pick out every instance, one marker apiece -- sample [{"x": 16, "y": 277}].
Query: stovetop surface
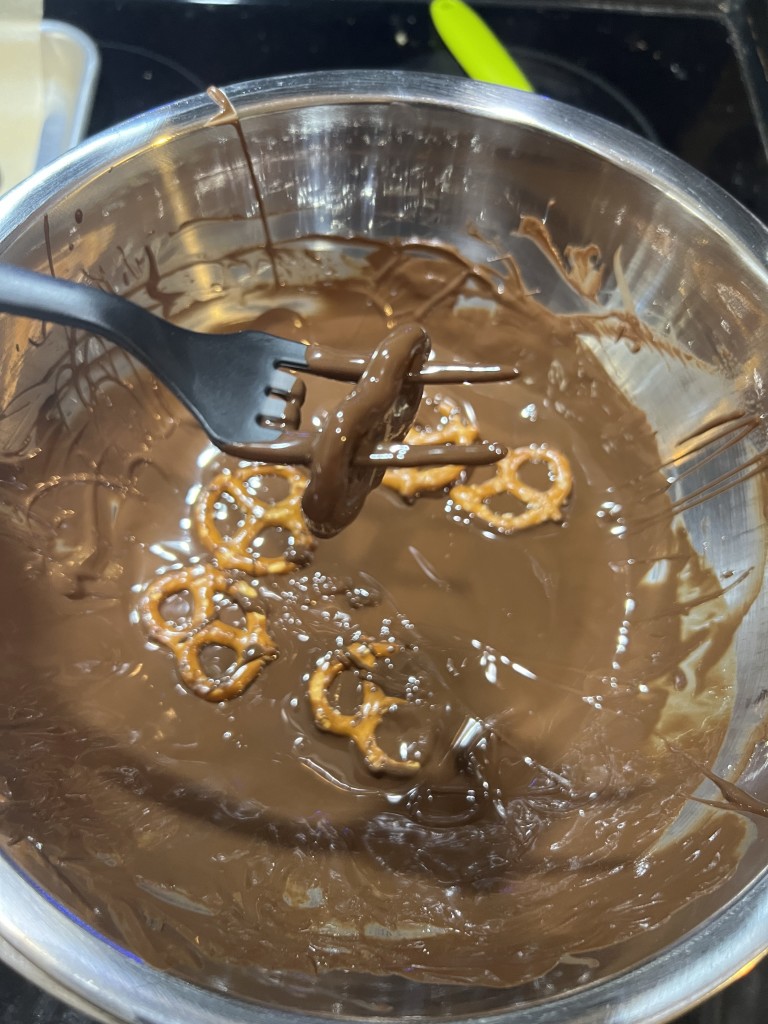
[{"x": 690, "y": 75}]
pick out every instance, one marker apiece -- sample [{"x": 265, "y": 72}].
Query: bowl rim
[{"x": 55, "y": 950}]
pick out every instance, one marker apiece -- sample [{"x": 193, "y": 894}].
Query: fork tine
[
  {"x": 271, "y": 409},
  {"x": 327, "y": 362},
  {"x": 284, "y": 352},
  {"x": 283, "y": 383}
]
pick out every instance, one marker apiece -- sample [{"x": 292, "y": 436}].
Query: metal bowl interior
[{"x": 393, "y": 155}]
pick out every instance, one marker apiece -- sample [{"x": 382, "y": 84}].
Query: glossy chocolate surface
[{"x": 565, "y": 685}]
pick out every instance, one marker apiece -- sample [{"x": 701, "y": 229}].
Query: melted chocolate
[
  {"x": 354, "y": 443},
  {"x": 559, "y": 727},
  {"x": 380, "y": 409}
]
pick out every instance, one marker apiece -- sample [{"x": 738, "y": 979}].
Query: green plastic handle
[{"x": 474, "y": 45}]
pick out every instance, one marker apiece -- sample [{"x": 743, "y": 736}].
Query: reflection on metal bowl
[{"x": 396, "y": 156}]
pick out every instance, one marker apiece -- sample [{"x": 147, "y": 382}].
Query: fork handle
[{"x": 143, "y": 335}]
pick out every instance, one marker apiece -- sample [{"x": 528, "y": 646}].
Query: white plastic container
[{"x": 70, "y": 69}]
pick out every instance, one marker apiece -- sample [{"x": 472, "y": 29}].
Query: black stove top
[{"x": 690, "y": 75}]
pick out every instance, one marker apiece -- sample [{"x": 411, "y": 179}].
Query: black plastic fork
[{"x": 236, "y": 385}]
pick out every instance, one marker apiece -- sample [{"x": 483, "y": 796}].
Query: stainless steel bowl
[{"x": 386, "y": 154}]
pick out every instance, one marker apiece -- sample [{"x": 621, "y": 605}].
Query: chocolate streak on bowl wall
[{"x": 199, "y": 836}]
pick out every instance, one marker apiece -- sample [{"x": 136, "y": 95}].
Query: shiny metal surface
[{"x": 388, "y": 154}]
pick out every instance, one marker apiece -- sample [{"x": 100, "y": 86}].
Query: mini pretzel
[
  {"x": 362, "y": 725},
  {"x": 234, "y": 552},
  {"x": 454, "y": 430},
  {"x": 542, "y": 505},
  {"x": 251, "y": 645}
]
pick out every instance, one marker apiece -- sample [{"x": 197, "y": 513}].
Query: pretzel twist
[
  {"x": 362, "y": 725},
  {"x": 452, "y": 429},
  {"x": 541, "y": 505},
  {"x": 202, "y": 627},
  {"x": 234, "y": 552}
]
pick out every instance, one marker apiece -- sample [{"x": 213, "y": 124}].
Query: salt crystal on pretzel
[
  {"x": 202, "y": 627},
  {"x": 235, "y": 551},
  {"x": 362, "y": 725},
  {"x": 541, "y": 505}
]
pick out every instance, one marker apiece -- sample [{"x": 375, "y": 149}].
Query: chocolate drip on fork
[{"x": 359, "y": 439}]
